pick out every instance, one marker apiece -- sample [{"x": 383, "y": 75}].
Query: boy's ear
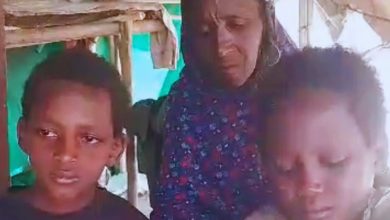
[
  {"x": 116, "y": 150},
  {"x": 23, "y": 135}
]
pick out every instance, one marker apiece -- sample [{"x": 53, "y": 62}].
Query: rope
[{"x": 385, "y": 19}]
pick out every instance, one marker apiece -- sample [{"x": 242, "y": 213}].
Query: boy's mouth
[
  {"x": 321, "y": 213},
  {"x": 64, "y": 178}
]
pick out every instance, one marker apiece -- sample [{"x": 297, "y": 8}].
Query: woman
[{"x": 209, "y": 165}]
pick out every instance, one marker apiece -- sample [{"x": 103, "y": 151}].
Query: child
[
  {"x": 323, "y": 132},
  {"x": 74, "y": 111}
]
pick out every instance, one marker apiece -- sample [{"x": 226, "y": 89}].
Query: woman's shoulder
[{"x": 148, "y": 115}]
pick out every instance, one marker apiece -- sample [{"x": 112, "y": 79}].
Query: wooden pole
[
  {"x": 116, "y": 45},
  {"x": 4, "y": 150},
  {"x": 113, "y": 50},
  {"x": 305, "y": 21},
  {"x": 124, "y": 46}
]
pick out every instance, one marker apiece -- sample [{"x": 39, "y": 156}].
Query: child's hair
[
  {"x": 80, "y": 66},
  {"x": 334, "y": 69}
]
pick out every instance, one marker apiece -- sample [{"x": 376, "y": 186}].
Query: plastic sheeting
[{"x": 376, "y": 13}]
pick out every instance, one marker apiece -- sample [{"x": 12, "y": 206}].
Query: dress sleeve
[
  {"x": 177, "y": 190},
  {"x": 177, "y": 196}
]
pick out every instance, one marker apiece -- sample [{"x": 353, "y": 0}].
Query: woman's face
[{"x": 227, "y": 36}]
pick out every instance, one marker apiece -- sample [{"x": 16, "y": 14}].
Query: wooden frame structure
[
  {"x": 48, "y": 21},
  {"x": 4, "y": 160},
  {"x": 305, "y": 21}
]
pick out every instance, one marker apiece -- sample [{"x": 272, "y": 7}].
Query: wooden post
[
  {"x": 116, "y": 46},
  {"x": 4, "y": 150},
  {"x": 125, "y": 43},
  {"x": 124, "y": 47},
  {"x": 113, "y": 50},
  {"x": 305, "y": 21}
]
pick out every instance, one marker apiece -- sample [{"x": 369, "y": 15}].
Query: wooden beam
[
  {"x": 125, "y": 57},
  {"x": 49, "y": 13},
  {"x": 4, "y": 150},
  {"x": 27, "y": 37},
  {"x": 155, "y": 1}
]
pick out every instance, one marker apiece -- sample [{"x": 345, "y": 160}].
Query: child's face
[
  {"x": 69, "y": 138},
  {"x": 318, "y": 159}
]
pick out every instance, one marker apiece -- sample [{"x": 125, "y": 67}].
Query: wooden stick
[
  {"x": 125, "y": 52},
  {"x": 125, "y": 45},
  {"x": 116, "y": 49},
  {"x": 112, "y": 50},
  {"x": 305, "y": 21},
  {"x": 28, "y": 37},
  {"x": 4, "y": 148}
]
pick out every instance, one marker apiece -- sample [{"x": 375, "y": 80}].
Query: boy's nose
[
  {"x": 311, "y": 189},
  {"x": 67, "y": 151},
  {"x": 310, "y": 184}
]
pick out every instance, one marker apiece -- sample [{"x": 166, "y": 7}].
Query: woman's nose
[{"x": 224, "y": 41}]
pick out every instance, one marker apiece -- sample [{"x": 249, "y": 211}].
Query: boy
[
  {"x": 74, "y": 112},
  {"x": 323, "y": 133}
]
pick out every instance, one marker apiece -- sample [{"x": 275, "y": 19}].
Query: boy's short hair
[
  {"x": 334, "y": 69},
  {"x": 80, "y": 66}
]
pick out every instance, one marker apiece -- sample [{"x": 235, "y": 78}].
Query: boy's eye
[
  {"x": 336, "y": 163},
  {"x": 284, "y": 170},
  {"x": 47, "y": 133},
  {"x": 89, "y": 139}
]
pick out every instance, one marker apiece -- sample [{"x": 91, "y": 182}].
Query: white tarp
[{"x": 376, "y": 13}]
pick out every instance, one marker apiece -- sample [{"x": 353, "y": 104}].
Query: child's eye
[
  {"x": 47, "y": 133},
  {"x": 89, "y": 139},
  {"x": 337, "y": 163},
  {"x": 283, "y": 170}
]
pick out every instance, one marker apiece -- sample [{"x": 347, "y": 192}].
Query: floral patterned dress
[{"x": 210, "y": 167}]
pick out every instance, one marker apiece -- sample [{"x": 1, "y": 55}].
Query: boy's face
[
  {"x": 69, "y": 138},
  {"x": 318, "y": 159}
]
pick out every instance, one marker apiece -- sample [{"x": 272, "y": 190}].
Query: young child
[
  {"x": 324, "y": 131},
  {"x": 74, "y": 112}
]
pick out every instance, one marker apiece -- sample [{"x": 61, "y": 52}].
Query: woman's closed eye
[{"x": 236, "y": 24}]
